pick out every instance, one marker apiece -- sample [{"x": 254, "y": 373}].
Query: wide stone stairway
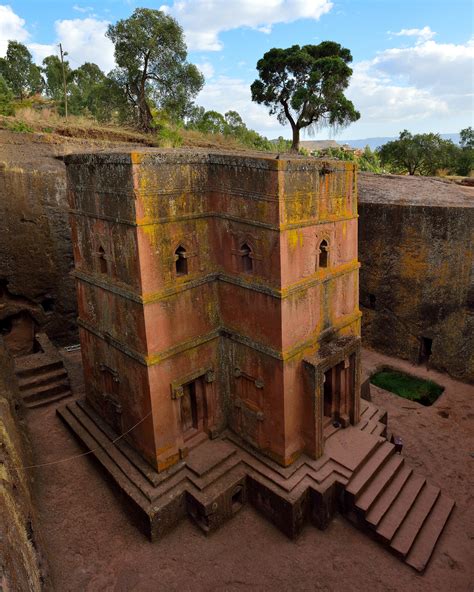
[
  {"x": 360, "y": 474},
  {"x": 398, "y": 506}
]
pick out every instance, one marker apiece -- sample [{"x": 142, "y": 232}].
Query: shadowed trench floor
[{"x": 92, "y": 545}]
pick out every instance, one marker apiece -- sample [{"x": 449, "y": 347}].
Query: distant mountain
[{"x": 375, "y": 142}]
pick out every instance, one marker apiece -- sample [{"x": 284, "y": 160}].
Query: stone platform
[{"x": 359, "y": 475}]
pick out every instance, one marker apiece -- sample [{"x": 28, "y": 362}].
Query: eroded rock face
[
  {"x": 22, "y": 566},
  {"x": 36, "y": 289},
  {"x": 416, "y": 245},
  {"x": 35, "y": 250}
]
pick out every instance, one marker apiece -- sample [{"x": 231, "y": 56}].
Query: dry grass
[{"x": 47, "y": 121}]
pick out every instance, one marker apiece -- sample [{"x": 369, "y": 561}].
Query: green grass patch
[
  {"x": 409, "y": 387},
  {"x": 21, "y": 127}
]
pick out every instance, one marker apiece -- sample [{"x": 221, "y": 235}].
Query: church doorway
[{"x": 338, "y": 392}]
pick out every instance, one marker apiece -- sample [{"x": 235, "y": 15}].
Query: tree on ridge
[
  {"x": 305, "y": 86},
  {"x": 151, "y": 56}
]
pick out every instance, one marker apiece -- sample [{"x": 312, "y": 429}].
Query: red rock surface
[{"x": 92, "y": 545}]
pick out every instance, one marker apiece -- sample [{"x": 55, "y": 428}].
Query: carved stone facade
[{"x": 215, "y": 291}]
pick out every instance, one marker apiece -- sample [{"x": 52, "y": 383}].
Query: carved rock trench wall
[
  {"x": 21, "y": 565},
  {"x": 35, "y": 250},
  {"x": 416, "y": 247}
]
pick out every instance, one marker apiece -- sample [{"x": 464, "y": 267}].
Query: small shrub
[
  {"x": 169, "y": 137},
  {"x": 21, "y": 127}
]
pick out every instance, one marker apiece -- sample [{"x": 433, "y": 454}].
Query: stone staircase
[
  {"x": 41, "y": 376},
  {"x": 373, "y": 420},
  {"x": 400, "y": 508}
]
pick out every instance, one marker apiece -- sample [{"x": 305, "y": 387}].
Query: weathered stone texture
[
  {"x": 36, "y": 289},
  {"x": 35, "y": 251},
  {"x": 416, "y": 246},
  {"x": 238, "y": 334},
  {"x": 21, "y": 565}
]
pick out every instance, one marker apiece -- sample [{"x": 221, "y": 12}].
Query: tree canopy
[
  {"x": 305, "y": 86},
  {"x": 53, "y": 73},
  {"x": 467, "y": 138},
  {"x": 420, "y": 153},
  {"x": 231, "y": 124},
  {"x": 465, "y": 161},
  {"x": 20, "y": 73},
  {"x": 6, "y": 96},
  {"x": 151, "y": 56}
]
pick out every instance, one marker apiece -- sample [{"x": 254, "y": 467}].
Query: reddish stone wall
[
  {"x": 417, "y": 269},
  {"x": 250, "y": 329},
  {"x": 35, "y": 248}
]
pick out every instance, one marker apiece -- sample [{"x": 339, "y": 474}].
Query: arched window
[
  {"x": 181, "y": 261},
  {"x": 246, "y": 258},
  {"x": 102, "y": 260},
  {"x": 323, "y": 255}
]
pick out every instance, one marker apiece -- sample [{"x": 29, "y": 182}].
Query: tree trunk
[
  {"x": 144, "y": 115},
  {"x": 295, "y": 146}
]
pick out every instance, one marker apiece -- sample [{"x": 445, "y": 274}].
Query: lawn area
[{"x": 409, "y": 387}]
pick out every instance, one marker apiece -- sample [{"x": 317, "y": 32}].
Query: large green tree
[
  {"x": 53, "y": 74},
  {"x": 84, "y": 89},
  {"x": 465, "y": 162},
  {"x": 6, "y": 98},
  {"x": 305, "y": 86},
  {"x": 151, "y": 56},
  {"x": 421, "y": 154},
  {"x": 20, "y": 73}
]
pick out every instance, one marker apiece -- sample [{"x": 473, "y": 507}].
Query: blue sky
[{"x": 413, "y": 60}]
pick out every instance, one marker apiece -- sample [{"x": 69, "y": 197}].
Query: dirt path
[{"x": 92, "y": 545}]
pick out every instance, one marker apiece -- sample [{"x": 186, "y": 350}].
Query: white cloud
[
  {"x": 207, "y": 70},
  {"x": 83, "y": 39},
  {"x": 422, "y": 35},
  {"x": 40, "y": 50},
  {"x": 380, "y": 99},
  {"x": 440, "y": 67},
  {"x": 12, "y": 27},
  {"x": 429, "y": 84},
  {"x": 204, "y": 20}
]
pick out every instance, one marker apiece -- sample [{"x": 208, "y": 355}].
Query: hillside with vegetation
[{"x": 149, "y": 99}]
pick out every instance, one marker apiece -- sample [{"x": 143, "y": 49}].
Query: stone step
[
  {"x": 109, "y": 448},
  {"x": 386, "y": 499},
  {"x": 380, "y": 482},
  {"x": 42, "y": 378},
  {"x": 414, "y": 520},
  {"x": 368, "y": 412},
  {"x": 375, "y": 427},
  {"x": 48, "y": 399},
  {"x": 401, "y": 506},
  {"x": 34, "y": 367},
  {"x": 380, "y": 429},
  {"x": 130, "y": 453},
  {"x": 426, "y": 540},
  {"x": 96, "y": 449},
  {"x": 47, "y": 390},
  {"x": 368, "y": 470}
]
